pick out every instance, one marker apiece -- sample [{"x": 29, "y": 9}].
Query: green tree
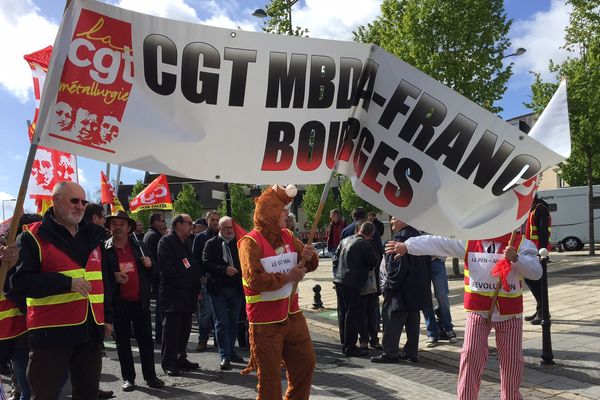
[
  {"x": 141, "y": 216},
  {"x": 187, "y": 203},
  {"x": 459, "y": 43},
  {"x": 350, "y": 200},
  {"x": 242, "y": 207},
  {"x": 583, "y": 75},
  {"x": 280, "y": 19},
  {"x": 310, "y": 203}
]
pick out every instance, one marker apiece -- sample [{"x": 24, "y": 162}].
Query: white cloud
[
  {"x": 82, "y": 179},
  {"x": 542, "y": 35},
  {"x": 21, "y": 19},
  {"x": 174, "y": 9}
]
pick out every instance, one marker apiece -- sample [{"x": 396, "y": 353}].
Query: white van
[{"x": 569, "y": 212}]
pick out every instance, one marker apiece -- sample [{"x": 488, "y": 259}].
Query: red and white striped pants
[{"x": 474, "y": 354}]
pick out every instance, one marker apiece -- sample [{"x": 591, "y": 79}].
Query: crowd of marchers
[{"x": 77, "y": 277}]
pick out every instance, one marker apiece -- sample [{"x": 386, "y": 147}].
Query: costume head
[{"x": 269, "y": 206}]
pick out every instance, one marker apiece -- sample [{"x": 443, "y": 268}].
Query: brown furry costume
[{"x": 287, "y": 341}]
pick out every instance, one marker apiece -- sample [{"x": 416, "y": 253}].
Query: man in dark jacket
[
  {"x": 151, "y": 239},
  {"x": 356, "y": 258},
  {"x": 406, "y": 291},
  {"x": 133, "y": 271},
  {"x": 68, "y": 304},
  {"x": 178, "y": 291},
  {"x": 205, "y": 319},
  {"x": 224, "y": 286}
]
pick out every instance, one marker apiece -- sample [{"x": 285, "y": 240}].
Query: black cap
[{"x": 201, "y": 221}]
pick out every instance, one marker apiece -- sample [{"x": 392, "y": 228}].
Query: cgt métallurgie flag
[
  {"x": 108, "y": 195},
  {"x": 156, "y": 196},
  {"x": 227, "y": 105}
]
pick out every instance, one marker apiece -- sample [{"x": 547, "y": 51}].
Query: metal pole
[
  {"x": 547, "y": 354},
  {"x": 289, "y": 5},
  {"x": 227, "y": 199}
]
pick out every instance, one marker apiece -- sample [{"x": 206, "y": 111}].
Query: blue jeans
[
  {"x": 226, "y": 311},
  {"x": 439, "y": 278},
  {"x": 204, "y": 316}
]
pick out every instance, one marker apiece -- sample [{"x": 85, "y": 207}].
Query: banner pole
[
  {"x": 498, "y": 284},
  {"x": 14, "y": 223}
]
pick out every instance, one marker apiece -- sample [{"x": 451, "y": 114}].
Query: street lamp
[
  {"x": 4, "y": 200},
  {"x": 260, "y": 13},
  {"x": 517, "y": 53}
]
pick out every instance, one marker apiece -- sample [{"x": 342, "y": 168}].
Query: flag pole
[
  {"x": 14, "y": 223},
  {"x": 498, "y": 284}
]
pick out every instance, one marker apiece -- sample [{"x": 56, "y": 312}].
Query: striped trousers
[{"x": 474, "y": 354}]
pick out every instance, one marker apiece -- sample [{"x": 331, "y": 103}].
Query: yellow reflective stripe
[
  {"x": 466, "y": 272},
  {"x": 74, "y": 273},
  {"x": 93, "y": 276},
  {"x": 56, "y": 299},
  {"x": 96, "y": 298},
  {"x": 13, "y": 312},
  {"x": 253, "y": 299},
  {"x": 245, "y": 282},
  {"x": 491, "y": 294}
]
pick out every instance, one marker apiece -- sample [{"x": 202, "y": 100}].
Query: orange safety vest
[
  {"x": 258, "y": 309},
  {"x": 69, "y": 308},
  {"x": 531, "y": 229},
  {"x": 478, "y": 295},
  {"x": 12, "y": 320}
]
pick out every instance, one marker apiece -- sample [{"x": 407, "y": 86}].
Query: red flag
[
  {"x": 108, "y": 195},
  {"x": 50, "y": 166},
  {"x": 238, "y": 230},
  {"x": 155, "y": 196}
]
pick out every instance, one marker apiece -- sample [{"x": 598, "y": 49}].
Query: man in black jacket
[
  {"x": 406, "y": 291},
  {"x": 356, "y": 258},
  {"x": 178, "y": 293},
  {"x": 133, "y": 271},
  {"x": 69, "y": 307},
  {"x": 151, "y": 239},
  {"x": 222, "y": 263}
]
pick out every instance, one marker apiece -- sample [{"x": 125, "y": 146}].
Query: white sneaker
[{"x": 431, "y": 341}]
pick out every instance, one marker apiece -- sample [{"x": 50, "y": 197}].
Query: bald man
[{"x": 68, "y": 311}]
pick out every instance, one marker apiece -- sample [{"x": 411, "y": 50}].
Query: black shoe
[
  {"x": 201, "y": 346},
  {"x": 225, "y": 365},
  {"x": 155, "y": 383},
  {"x": 105, "y": 394},
  {"x": 384, "y": 359},
  {"x": 531, "y": 317},
  {"x": 172, "y": 371},
  {"x": 536, "y": 321},
  {"x": 376, "y": 345},
  {"x": 128, "y": 385},
  {"x": 184, "y": 363},
  {"x": 236, "y": 359},
  {"x": 356, "y": 352},
  {"x": 404, "y": 357}
]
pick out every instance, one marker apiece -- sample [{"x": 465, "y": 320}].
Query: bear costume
[{"x": 279, "y": 335}]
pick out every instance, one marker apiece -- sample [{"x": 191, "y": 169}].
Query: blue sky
[{"x": 29, "y": 25}]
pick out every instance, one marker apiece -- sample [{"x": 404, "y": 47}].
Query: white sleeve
[
  {"x": 528, "y": 263},
  {"x": 430, "y": 245}
]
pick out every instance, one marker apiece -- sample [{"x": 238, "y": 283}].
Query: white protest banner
[{"x": 234, "y": 106}]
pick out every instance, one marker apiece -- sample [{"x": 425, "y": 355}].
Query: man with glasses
[
  {"x": 178, "y": 291},
  {"x": 224, "y": 286},
  {"x": 68, "y": 305}
]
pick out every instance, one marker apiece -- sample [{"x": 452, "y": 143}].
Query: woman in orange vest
[
  {"x": 270, "y": 257},
  {"x": 481, "y": 257}
]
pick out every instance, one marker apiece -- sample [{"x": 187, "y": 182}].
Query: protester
[
  {"x": 336, "y": 226},
  {"x": 204, "y": 312},
  {"x": 291, "y": 225},
  {"x": 407, "y": 291},
  {"x": 151, "y": 239},
  {"x": 273, "y": 261},
  {"x": 537, "y": 229},
  {"x": 222, "y": 263},
  {"x": 126, "y": 259},
  {"x": 14, "y": 341},
  {"x": 356, "y": 258},
  {"x": 200, "y": 225},
  {"x": 139, "y": 231},
  {"x": 442, "y": 328},
  {"x": 94, "y": 214},
  {"x": 60, "y": 273},
  {"x": 480, "y": 285},
  {"x": 178, "y": 291},
  {"x": 372, "y": 217}
]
